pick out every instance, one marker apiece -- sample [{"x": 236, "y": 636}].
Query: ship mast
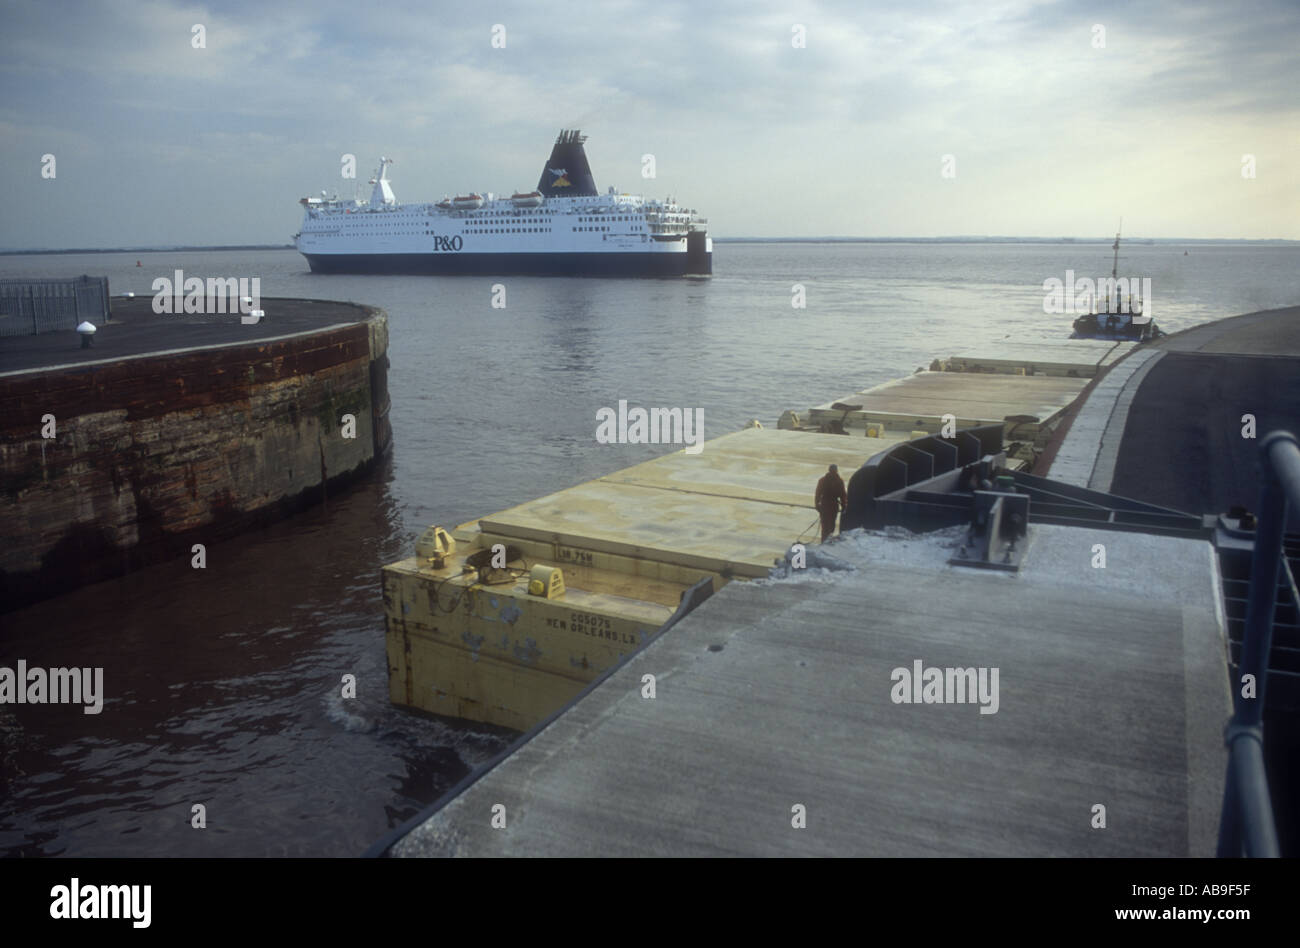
[
  {"x": 1114, "y": 270},
  {"x": 1115, "y": 306}
]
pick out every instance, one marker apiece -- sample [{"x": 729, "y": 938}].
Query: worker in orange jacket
[{"x": 830, "y": 499}]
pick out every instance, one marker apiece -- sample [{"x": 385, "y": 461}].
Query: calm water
[{"x": 223, "y": 684}]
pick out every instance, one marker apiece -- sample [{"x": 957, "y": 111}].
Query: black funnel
[{"x": 567, "y": 173}]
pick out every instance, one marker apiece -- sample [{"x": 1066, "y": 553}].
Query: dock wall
[{"x": 108, "y": 466}]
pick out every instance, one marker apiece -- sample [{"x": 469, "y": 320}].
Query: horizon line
[{"x": 830, "y": 238}]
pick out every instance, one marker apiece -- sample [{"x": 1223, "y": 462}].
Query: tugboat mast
[{"x": 1114, "y": 269}]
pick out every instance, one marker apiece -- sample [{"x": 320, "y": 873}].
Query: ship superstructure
[{"x": 564, "y": 227}]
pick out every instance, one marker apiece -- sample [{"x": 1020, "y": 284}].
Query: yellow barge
[
  {"x": 504, "y": 620},
  {"x": 483, "y": 641}
]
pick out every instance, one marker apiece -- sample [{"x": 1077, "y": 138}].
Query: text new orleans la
[{"x": 598, "y": 627}]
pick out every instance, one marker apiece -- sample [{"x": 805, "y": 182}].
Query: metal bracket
[{"x": 998, "y": 531}]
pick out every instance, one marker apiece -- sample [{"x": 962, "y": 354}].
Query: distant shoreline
[
  {"x": 1139, "y": 241},
  {"x": 1100, "y": 241},
  {"x": 21, "y": 253}
]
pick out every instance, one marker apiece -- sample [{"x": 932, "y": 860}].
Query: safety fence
[{"x": 28, "y": 307}]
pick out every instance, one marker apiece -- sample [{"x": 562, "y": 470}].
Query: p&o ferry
[{"x": 565, "y": 227}]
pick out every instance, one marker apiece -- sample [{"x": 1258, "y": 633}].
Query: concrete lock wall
[{"x": 154, "y": 453}]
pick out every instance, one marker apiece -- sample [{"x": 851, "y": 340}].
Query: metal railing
[
  {"x": 28, "y": 307},
  {"x": 1246, "y": 825}
]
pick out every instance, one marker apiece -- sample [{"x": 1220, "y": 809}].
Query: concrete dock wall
[{"x": 107, "y": 466}]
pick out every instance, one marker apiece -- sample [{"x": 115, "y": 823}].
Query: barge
[{"x": 505, "y": 619}]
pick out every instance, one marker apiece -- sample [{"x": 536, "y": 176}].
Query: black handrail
[{"x": 1246, "y": 825}]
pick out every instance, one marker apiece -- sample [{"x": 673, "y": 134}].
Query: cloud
[{"x": 855, "y": 122}]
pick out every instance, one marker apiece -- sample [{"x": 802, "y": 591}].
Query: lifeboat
[
  {"x": 531, "y": 199},
  {"x": 445, "y": 204},
  {"x": 466, "y": 202}
]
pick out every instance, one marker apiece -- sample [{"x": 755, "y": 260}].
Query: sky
[{"x": 920, "y": 119}]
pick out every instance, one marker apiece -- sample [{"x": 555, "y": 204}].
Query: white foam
[{"x": 350, "y": 721}]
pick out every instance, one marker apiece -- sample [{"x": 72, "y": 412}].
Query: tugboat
[{"x": 1117, "y": 317}]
